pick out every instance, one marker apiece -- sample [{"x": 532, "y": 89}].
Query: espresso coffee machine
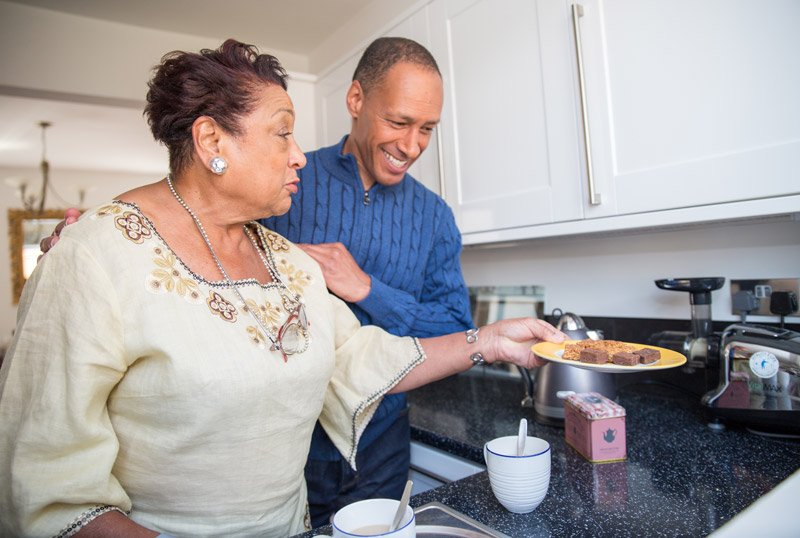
[{"x": 752, "y": 372}]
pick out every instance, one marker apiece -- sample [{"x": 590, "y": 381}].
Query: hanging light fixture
[
  {"x": 36, "y": 204},
  {"x": 44, "y": 165},
  {"x": 31, "y": 202}
]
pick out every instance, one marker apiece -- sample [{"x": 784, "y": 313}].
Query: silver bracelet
[
  {"x": 87, "y": 517},
  {"x": 472, "y": 337}
]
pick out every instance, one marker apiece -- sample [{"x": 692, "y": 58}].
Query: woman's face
[{"x": 265, "y": 158}]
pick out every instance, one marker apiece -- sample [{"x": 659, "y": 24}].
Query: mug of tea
[{"x": 373, "y": 517}]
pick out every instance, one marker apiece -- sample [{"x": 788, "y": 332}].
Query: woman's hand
[{"x": 510, "y": 340}]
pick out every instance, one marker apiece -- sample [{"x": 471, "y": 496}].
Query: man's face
[{"x": 393, "y": 122}]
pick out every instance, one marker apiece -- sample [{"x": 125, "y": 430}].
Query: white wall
[
  {"x": 301, "y": 90},
  {"x": 613, "y": 276}
]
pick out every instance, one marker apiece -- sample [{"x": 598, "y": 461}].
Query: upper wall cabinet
[
  {"x": 692, "y": 103},
  {"x": 565, "y": 117},
  {"x": 509, "y": 125}
]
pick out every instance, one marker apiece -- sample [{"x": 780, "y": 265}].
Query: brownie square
[
  {"x": 594, "y": 356},
  {"x": 625, "y": 359},
  {"x": 648, "y": 355}
]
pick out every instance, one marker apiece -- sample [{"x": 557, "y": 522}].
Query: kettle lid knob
[{"x": 570, "y": 322}]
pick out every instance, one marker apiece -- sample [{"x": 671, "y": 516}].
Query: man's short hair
[{"x": 383, "y": 53}]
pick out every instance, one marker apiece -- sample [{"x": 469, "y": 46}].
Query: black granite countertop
[{"x": 680, "y": 477}]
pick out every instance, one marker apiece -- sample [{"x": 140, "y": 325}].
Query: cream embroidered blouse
[{"x": 132, "y": 382}]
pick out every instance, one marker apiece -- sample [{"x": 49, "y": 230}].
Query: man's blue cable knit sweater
[{"x": 405, "y": 238}]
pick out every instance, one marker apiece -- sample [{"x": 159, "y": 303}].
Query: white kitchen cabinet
[
  {"x": 334, "y": 120},
  {"x": 692, "y": 103},
  {"x": 691, "y": 109},
  {"x": 509, "y": 127}
]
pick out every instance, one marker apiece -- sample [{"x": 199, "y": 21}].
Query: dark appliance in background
[
  {"x": 491, "y": 303},
  {"x": 701, "y": 344},
  {"x": 751, "y": 372},
  {"x": 759, "y": 379}
]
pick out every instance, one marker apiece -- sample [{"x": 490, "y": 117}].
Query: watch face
[{"x": 764, "y": 364}]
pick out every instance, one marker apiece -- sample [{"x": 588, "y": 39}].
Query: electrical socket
[{"x": 762, "y": 289}]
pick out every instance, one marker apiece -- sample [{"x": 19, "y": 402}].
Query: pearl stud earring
[{"x": 218, "y": 165}]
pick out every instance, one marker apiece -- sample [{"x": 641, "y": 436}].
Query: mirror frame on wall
[{"x": 16, "y": 217}]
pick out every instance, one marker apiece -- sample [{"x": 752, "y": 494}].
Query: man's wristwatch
[{"x": 472, "y": 337}]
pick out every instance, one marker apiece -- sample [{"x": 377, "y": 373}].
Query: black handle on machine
[
  {"x": 783, "y": 303},
  {"x": 700, "y": 288}
]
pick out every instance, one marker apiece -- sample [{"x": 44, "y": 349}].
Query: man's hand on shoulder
[
  {"x": 342, "y": 274},
  {"x": 70, "y": 216}
]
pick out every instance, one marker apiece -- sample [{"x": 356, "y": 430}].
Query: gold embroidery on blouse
[
  {"x": 256, "y": 337},
  {"x": 295, "y": 279},
  {"x": 267, "y": 313},
  {"x": 106, "y": 210},
  {"x": 276, "y": 242},
  {"x": 167, "y": 278},
  {"x": 221, "y": 307},
  {"x": 133, "y": 227}
]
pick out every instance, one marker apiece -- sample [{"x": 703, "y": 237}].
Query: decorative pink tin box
[{"x": 595, "y": 427}]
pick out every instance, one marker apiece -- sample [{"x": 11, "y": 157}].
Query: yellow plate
[{"x": 552, "y": 352}]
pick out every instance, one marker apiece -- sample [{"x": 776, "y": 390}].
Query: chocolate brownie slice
[
  {"x": 594, "y": 356},
  {"x": 625, "y": 359},
  {"x": 648, "y": 355}
]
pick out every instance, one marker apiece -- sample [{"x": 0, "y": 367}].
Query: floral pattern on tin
[
  {"x": 221, "y": 307},
  {"x": 167, "y": 278},
  {"x": 133, "y": 227},
  {"x": 295, "y": 279}
]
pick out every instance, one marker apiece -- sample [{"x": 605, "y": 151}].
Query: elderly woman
[{"x": 172, "y": 356}]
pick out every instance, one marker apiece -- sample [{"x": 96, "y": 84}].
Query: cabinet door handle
[
  {"x": 577, "y": 13},
  {"x": 440, "y": 160}
]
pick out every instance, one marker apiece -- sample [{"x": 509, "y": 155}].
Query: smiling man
[{"x": 386, "y": 244}]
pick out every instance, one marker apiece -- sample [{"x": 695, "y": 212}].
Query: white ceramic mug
[
  {"x": 373, "y": 518},
  {"x": 519, "y": 483}
]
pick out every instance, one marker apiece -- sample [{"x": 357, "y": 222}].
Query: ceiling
[
  {"x": 300, "y": 28},
  {"x": 89, "y": 136},
  {"x": 81, "y": 136}
]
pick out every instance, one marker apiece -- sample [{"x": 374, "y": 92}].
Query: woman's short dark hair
[
  {"x": 222, "y": 84},
  {"x": 383, "y": 53}
]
